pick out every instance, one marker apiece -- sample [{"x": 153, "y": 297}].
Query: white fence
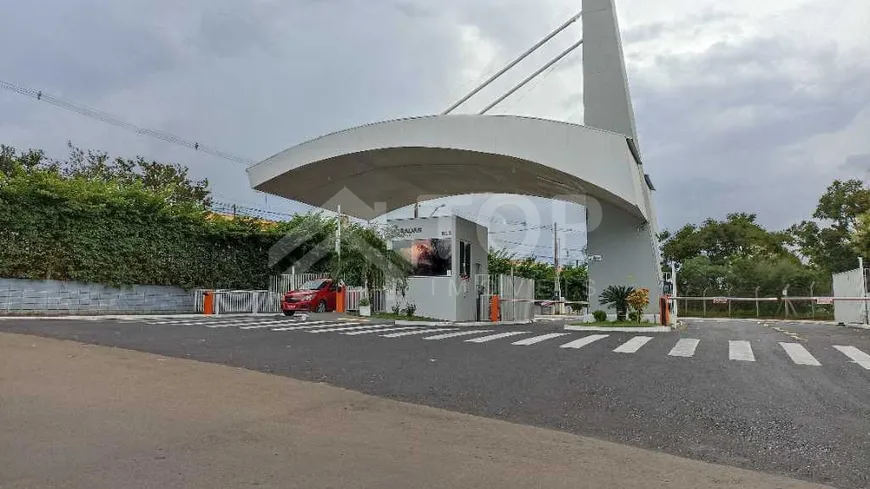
[
  {"x": 240, "y": 301},
  {"x": 291, "y": 281},
  {"x": 850, "y": 284},
  {"x": 353, "y": 295}
]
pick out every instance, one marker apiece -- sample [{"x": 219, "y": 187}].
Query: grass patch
[
  {"x": 619, "y": 324},
  {"x": 401, "y": 317}
]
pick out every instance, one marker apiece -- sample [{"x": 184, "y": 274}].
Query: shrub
[
  {"x": 616, "y": 297},
  {"x": 410, "y": 309},
  {"x": 397, "y": 308},
  {"x": 600, "y": 316},
  {"x": 638, "y": 300},
  {"x": 364, "y": 302},
  {"x": 634, "y": 316}
]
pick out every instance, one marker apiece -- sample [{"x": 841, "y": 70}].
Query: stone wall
[{"x": 54, "y": 297}]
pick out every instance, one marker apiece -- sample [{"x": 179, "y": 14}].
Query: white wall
[
  {"x": 848, "y": 284},
  {"x": 466, "y": 300}
]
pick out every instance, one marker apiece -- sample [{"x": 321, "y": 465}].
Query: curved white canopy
[{"x": 376, "y": 168}]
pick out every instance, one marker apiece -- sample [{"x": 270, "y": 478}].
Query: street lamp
[
  {"x": 436, "y": 209},
  {"x": 588, "y": 261}
]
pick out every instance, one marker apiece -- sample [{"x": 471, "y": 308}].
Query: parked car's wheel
[
  {"x": 321, "y": 307},
  {"x": 289, "y": 313}
]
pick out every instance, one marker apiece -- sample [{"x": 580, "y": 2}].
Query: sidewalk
[
  {"x": 93, "y": 417},
  {"x": 129, "y": 317}
]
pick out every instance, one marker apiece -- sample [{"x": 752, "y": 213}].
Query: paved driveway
[{"x": 793, "y": 401}]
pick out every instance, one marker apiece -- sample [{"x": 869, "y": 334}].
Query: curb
[
  {"x": 136, "y": 316},
  {"x": 621, "y": 329},
  {"x": 401, "y": 322},
  {"x": 763, "y": 320}
]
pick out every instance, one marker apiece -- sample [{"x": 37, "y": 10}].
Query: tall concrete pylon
[
  {"x": 606, "y": 96},
  {"x": 628, "y": 245}
]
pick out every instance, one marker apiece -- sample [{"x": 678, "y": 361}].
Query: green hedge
[{"x": 55, "y": 227}]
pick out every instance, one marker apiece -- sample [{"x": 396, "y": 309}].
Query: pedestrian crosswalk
[
  {"x": 685, "y": 348},
  {"x": 633, "y": 345},
  {"x": 738, "y": 351},
  {"x": 799, "y": 354}
]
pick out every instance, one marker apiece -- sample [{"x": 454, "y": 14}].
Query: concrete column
[
  {"x": 628, "y": 254},
  {"x": 606, "y": 99}
]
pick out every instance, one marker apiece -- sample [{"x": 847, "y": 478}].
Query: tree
[
  {"x": 738, "y": 236},
  {"x": 842, "y": 204},
  {"x": 11, "y": 160},
  {"x": 573, "y": 278},
  {"x": 616, "y": 297},
  {"x": 698, "y": 276},
  {"x": 830, "y": 248},
  {"x": 173, "y": 179}
]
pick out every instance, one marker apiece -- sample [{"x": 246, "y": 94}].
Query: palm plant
[{"x": 616, "y": 297}]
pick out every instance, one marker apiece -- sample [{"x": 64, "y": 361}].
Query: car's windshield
[{"x": 313, "y": 285}]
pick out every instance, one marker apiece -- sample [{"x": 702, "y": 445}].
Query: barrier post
[
  {"x": 339, "y": 299},
  {"x": 493, "y": 308},
  {"x": 664, "y": 307},
  {"x": 208, "y": 302}
]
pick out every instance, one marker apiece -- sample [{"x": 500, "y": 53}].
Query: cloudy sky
[{"x": 741, "y": 106}]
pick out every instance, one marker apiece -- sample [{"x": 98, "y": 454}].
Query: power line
[
  {"x": 578, "y": 250},
  {"x": 115, "y": 121},
  {"x": 537, "y": 228},
  {"x": 234, "y": 209}
]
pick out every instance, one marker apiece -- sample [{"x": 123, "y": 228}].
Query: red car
[{"x": 314, "y": 295}]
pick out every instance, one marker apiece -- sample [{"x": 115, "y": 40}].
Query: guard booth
[{"x": 444, "y": 253}]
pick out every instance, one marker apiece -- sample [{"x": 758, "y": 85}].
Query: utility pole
[
  {"x": 557, "y": 289},
  {"x": 513, "y": 293},
  {"x": 863, "y": 290},
  {"x": 416, "y": 210},
  {"x": 338, "y": 240},
  {"x": 674, "y": 290}
]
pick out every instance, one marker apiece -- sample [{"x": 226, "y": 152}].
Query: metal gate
[{"x": 516, "y": 296}]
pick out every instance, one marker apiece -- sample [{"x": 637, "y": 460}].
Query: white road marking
[
  {"x": 348, "y": 327},
  {"x": 799, "y": 354},
  {"x": 368, "y": 331},
  {"x": 685, "y": 347},
  {"x": 856, "y": 355},
  {"x": 249, "y": 323},
  {"x": 584, "y": 341},
  {"x": 197, "y": 320},
  {"x": 424, "y": 331},
  {"x": 740, "y": 350},
  {"x": 538, "y": 339},
  {"x": 201, "y": 322},
  {"x": 267, "y": 324},
  {"x": 313, "y": 324},
  {"x": 498, "y": 336},
  {"x": 457, "y": 334},
  {"x": 633, "y": 344}
]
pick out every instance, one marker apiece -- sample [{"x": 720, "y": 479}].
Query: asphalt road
[{"x": 739, "y": 398}]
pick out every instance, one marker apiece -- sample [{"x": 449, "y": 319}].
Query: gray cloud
[
  {"x": 858, "y": 162},
  {"x": 722, "y": 130},
  {"x": 725, "y": 122}
]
